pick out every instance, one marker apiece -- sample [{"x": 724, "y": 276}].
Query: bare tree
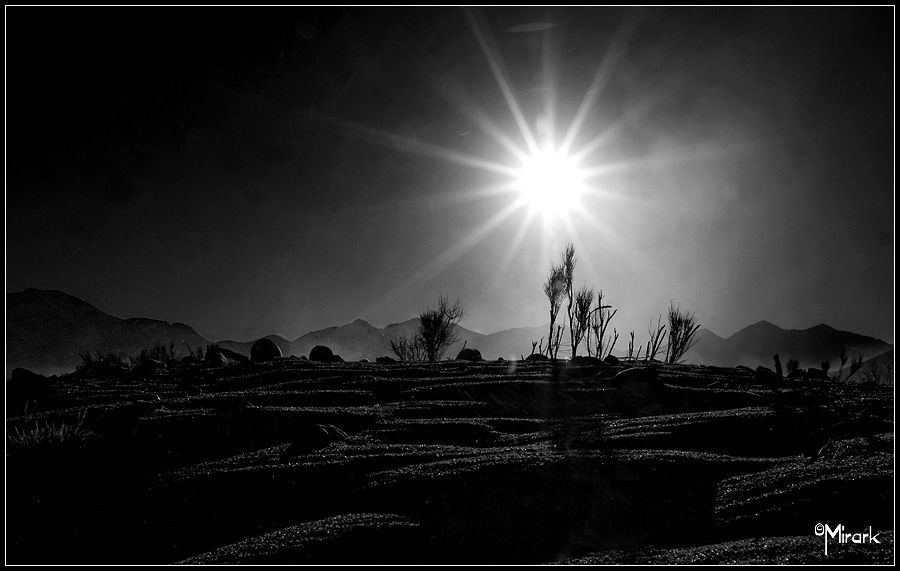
[
  {"x": 568, "y": 266},
  {"x": 630, "y": 355},
  {"x": 600, "y": 318},
  {"x": 554, "y": 289},
  {"x": 555, "y": 342},
  {"x": 682, "y": 328},
  {"x": 407, "y": 348},
  {"x": 438, "y": 328},
  {"x": 584, "y": 298},
  {"x": 657, "y": 336}
]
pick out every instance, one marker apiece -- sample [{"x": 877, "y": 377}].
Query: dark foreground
[{"x": 457, "y": 462}]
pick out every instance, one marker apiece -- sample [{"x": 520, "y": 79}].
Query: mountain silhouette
[
  {"x": 47, "y": 331},
  {"x": 756, "y": 344}
]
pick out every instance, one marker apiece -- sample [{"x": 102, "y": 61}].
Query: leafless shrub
[
  {"x": 568, "y": 267},
  {"x": 600, "y": 318},
  {"x": 554, "y": 289},
  {"x": 657, "y": 336},
  {"x": 438, "y": 328},
  {"x": 584, "y": 298},
  {"x": 682, "y": 327},
  {"x": 407, "y": 348},
  {"x": 630, "y": 355}
]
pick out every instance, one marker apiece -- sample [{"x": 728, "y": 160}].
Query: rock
[
  {"x": 26, "y": 385},
  {"x": 469, "y": 354},
  {"x": 221, "y": 357},
  {"x": 815, "y": 374},
  {"x": 585, "y": 360},
  {"x": 264, "y": 350},
  {"x": 611, "y": 359},
  {"x": 385, "y": 360},
  {"x": 337, "y": 359},
  {"x": 321, "y": 353},
  {"x": 147, "y": 366},
  {"x": 363, "y": 360},
  {"x": 765, "y": 375},
  {"x": 536, "y": 357},
  {"x": 313, "y": 437},
  {"x": 635, "y": 375},
  {"x": 501, "y": 360}
]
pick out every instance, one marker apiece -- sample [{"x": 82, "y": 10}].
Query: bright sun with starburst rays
[
  {"x": 549, "y": 183},
  {"x": 550, "y": 178}
]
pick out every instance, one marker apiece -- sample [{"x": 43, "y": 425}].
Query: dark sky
[{"x": 255, "y": 171}]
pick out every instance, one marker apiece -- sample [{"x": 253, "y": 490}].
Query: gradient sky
[{"x": 256, "y": 171}]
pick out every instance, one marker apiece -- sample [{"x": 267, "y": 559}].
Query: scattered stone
[
  {"x": 148, "y": 366},
  {"x": 264, "y": 350},
  {"x": 321, "y": 353},
  {"x": 815, "y": 374},
  {"x": 765, "y": 375},
  {"x": 585, "y": 360},
  {"x": 635, "y": 375},
  {"x": 313, "y": 437},
  {"x": 469, "y": 354},
  {"x": 221, "y": 357}
]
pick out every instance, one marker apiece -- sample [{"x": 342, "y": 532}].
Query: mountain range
[{"x": 48, "y": 331}]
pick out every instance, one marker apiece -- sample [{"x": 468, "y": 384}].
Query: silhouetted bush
[
  {"x": 682, "y": 327},
  {"x": 438, "y": 328},
  {"x": 407, "y": 348}
]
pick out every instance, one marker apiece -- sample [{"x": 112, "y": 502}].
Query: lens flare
[{"x": 550, "y": 183}]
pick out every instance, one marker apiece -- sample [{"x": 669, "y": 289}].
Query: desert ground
[{"x": 461, "y": 462}]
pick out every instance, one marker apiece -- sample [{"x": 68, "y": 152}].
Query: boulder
[
  {"x": 585, "y": 360},
  {"x": 25, "y": 385},
  {"x": 147, "y": 366},
  {"x": 321, "y": 353},
  {"x": 385, "y": 360},
  {"x": 815, "y": 374},
  {"x": 765, "y": 375},
  {"x": 469, "y": 354},
  {"x": 536, "y": 357},
  {"x": 611, "y": 359},
  {"x": 220, "y": 357},
  {"x": 337, "y": 359},
  {"x": 313, "y": 437},
  {"x": 363, "y": 360},
  {"x": 264, "y": 350},
  {"x": 635, "y": 375}
]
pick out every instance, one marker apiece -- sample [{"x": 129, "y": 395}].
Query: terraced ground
[{"x": 455, "y": 462}]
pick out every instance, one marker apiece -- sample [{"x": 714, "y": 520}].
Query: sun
[{"x": 549, "y": 182}]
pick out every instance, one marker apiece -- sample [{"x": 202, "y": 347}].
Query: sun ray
[
  {"x": 669, "y": 158},
  {"x": 461, "y": 102},
  {"x": 496, "y": 64},
  {"x": 407, "y": 144},
  {"x": 452, "y": 254},
  {"x": 604, "y": 72},
  {"x": 513, "y": 249}
]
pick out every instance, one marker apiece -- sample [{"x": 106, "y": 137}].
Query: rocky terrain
[{"x": 294, "y": 461}]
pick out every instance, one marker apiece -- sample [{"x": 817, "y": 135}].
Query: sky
[{"x": 254, "y": 171}]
